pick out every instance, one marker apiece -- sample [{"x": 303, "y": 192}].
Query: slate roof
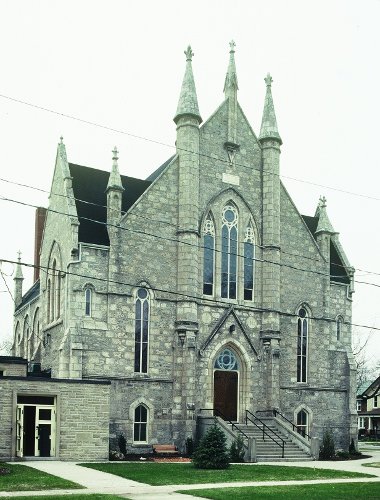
[
  {"x": 31, "y": 294},
  {"x": 338, "y": 272},
  {"x": 89, "y": 185}
]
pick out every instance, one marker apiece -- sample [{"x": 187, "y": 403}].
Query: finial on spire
[
  {"x": 269, "y": 123},
  {"x": 268, "y": 80},
  {"x": 114, "y": 181},
  {"x": 324, "y": 224},
  {"x": 232, "y": 46},
  {"x": 322, "y": 202},
  {"x": 189, "y": 53},
  {"x": 188, "y": 102},
  {"x": 231, "y": 83},
  {"x": 18, "y": 273},
  {"x": 61, "y": 139}
]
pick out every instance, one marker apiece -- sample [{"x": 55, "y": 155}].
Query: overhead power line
[
  {"x": 200, "y": 299},
  {"x": 173, "y": 240},
  {"x": 160, "y": 143}
]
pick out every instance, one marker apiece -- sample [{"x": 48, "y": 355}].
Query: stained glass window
[
  {"x": 229, "y": 252},
  {"x": 302, "y": 339},
  {"x": 141, "y": 331},
  {"x": 226, "y": 360},
  {"x": 208, "y": 256},
  {"x": 249, "y": 262}
]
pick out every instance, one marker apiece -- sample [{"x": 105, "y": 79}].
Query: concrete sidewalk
[{"x": 101, "y": 482}]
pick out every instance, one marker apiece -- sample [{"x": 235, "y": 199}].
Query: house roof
[
  {"x": 370, "y": 390},
  {"x": 89, "y": 185},
  {"x": 338, "y": 271},
  {"x": 31, "y": 294}
]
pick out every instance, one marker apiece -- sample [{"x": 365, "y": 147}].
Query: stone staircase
[{"x": 267, "y": 450}]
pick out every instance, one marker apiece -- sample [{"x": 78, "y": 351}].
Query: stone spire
[
  {"x": 18, "y": 279},
  {"x": 231, "y": 82},
  {"x": 188, "y": 102},
  {"x": 269, "y": 122},
  {"x": 324, "y": 224},
  {"x": 114, "y": 181}
]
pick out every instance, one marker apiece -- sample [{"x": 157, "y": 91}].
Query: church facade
[{"x": 199, "y": 290}]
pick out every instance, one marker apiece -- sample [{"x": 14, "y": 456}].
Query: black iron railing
[
  {"x": 267, "y": 431},
  {"x": 218, "y": 413},
  {"x": 295, "y": 428}
]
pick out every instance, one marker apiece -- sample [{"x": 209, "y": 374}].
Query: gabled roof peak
[{"x": 188, "y": 101}]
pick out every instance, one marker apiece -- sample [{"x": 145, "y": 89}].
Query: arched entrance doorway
[{"x": 226, "y": 384}]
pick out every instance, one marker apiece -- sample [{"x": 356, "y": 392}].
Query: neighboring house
[
  {"x": 368, "y": 408},
  {"x": 201, "y": 287}
]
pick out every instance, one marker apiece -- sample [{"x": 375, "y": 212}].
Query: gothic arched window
[
  {"x": 302, "y": 339},
  {"x": 249, "y": 262},
  {"x": 339, "y": 327},
  {"x": 229, "y": 251},
  {"x": 140, "y": 424},
  {"x": 88, "y": 301},
  {"x": 48, "y": 302},
  {"x": 302, "y": 422},
  {"x": 226, "y": 360},
  {"x": 53, "y": 294},
  {"x": 208, "y": 256},
  {"x": 141, "y": 330}
]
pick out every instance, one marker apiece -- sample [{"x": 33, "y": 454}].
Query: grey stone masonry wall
[{"x": 82, "y": 416}]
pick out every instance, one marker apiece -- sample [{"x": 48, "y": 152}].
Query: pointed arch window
[
  {"x": 302, "y": 340},
  {"x": 88, "y": 301},
  {"x": 249, "y": 262},
  {"x": 140, "y": 424},
  {"x": 339, "y": 327},
  {"x": 208, "y": 256},
  {"x": 141, "y": 331},
  {"x": 48, "y": 305},
  {"x": 229, "y": 251},
  {"x": 53, "y": 291},
  {"x": 302, "y": 422}
]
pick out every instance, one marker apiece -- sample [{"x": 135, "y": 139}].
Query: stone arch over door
[{"x": 229, "y": 381}]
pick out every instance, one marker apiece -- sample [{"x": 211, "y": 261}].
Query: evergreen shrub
[
  {"x": 327, "y": 450},
  {"x": 237, "y": 450},
  {"x": 211, "y": 453}
]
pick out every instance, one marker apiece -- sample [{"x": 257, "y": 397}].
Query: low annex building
[{"x": 198, "y": 290}]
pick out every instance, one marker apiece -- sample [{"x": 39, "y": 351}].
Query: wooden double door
[{"x": 226, "y": 394}]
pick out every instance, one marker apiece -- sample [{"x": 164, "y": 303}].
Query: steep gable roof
[
  {"x": 89, "y": 185},
  {"x": 31, "y": 294}
]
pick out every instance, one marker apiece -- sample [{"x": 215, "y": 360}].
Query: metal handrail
[
  {"x": 295, "y": 428},
  {"x": 226, "y": 419},
  {"x": 282, "y": 444}
]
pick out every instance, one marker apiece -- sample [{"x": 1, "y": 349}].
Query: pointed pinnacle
[
  {"x": 114, "y": 181},
  {"x": 231, "y": 81},
  {"x": 188, "y": 101},
  {"x": 269, "y": 123},
  {"x": 18, "y": 273},
  {"x": 324, "y": 224}
]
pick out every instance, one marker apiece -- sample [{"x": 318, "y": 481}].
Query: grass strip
[
  {"x": 82, "y": 496},
  {"x": 159, "y": 474},
  {"x": 23, "y": 478},
  {"x": 372, "y": 464},
  {"x": 345, "y": 491}
]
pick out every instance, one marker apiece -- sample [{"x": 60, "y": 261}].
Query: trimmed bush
[
  {"x": 211, "y": 453},
  {"x": 189, "y": 443},
  {"x": 122, "y": 444},
  {"x": 237, "y": 450},
  {"x": 327, "y": 450}
]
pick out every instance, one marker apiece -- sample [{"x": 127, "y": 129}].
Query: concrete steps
[{"x": 267, "y": 450}]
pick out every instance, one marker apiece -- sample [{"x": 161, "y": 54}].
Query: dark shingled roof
[
  {"x": 153, "y": 176},
  {"x": 31, "y": 294},
  {"x": 338, "y": 272},
  {"x": 90, "y": 184}
]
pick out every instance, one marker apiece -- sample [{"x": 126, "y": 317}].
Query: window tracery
[
  {"x": 229, "y": 251},
  {"x": 141, "y": 330}
]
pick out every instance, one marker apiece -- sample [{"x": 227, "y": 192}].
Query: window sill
[{"x": 53, "y": 324}]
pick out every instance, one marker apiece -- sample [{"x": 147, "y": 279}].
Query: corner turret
[
  {"x": 114, "y": 192},
  {"x": 188, "y": 101},
  {"x": 18, "y": 279},
  {"x": 269, "y": 123}
]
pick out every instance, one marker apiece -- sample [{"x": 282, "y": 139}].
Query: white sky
[{"x": 121, "y": 64}]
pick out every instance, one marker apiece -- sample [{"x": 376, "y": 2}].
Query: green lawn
[
  {"x": 165, "y": 473},
  {"x": 22, "y": 478},
  {"x": 372, "y": 464},
  {"x": 82, "y": 496},
  {"x": 310, "y": 492}
]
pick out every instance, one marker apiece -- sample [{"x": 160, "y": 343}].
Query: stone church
[{"x": 198, "y": 291}]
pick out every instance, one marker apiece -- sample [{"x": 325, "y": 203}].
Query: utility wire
[
  {"x": 181, "y": 295},
  {"x": 173, "y": 240},
  {"x": 153, "y": 141}
]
